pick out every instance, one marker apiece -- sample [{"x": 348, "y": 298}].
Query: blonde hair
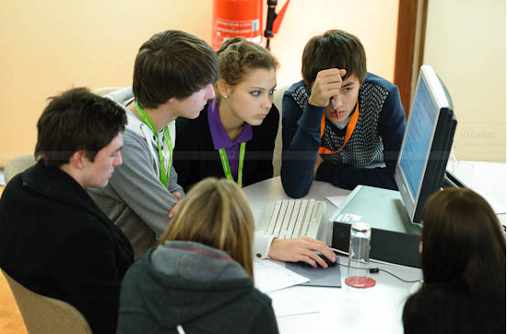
[
  {"x": 216, "y": 213},
  {"x": 237, "y": 57}
]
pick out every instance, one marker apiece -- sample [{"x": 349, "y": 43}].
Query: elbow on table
[{"x": 293, "y": 188}]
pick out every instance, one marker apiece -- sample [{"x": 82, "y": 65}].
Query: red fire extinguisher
[{"x": 244, "y": 18}]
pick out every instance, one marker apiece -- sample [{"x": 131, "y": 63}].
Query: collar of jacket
[{"x": 51, "y": 182}]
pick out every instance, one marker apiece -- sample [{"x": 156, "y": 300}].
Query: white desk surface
[
  {"x": 486, "y": 178},
  {"x": 341, "y": 310}
]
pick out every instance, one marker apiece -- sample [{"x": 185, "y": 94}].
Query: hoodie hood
[{"x": 182, "y": 281}]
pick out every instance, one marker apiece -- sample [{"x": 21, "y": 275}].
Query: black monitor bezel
[{"x": 438, "y": 154}]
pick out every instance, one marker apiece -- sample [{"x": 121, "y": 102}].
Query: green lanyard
[
  {"x": 227, "y": 168},
  {"x": 164, "y": 169}
]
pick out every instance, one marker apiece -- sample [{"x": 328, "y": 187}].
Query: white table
[
  {"x": 486, "y": 178},
  {"x": 344, "y": 310}
]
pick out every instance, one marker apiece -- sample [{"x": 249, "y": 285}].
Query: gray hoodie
[
  {"x": 194, "y": 287},
  {"x": 134, "y": 199}
]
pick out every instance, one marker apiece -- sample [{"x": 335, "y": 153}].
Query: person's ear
[
  {"x": 169, "y": 102},
  {"x": 223, "y": 88},
  {"x": 78, "y": 159}
]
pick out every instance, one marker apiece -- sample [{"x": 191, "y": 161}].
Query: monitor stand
[
  {"x": 450, "y": 180},
  {"x": 394, "y": 238}
]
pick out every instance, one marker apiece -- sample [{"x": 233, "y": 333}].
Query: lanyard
[
  {"x": 227, "y": 168},
  {"x": 164, "y": 166},
  {"x": 349, "y": 131}
]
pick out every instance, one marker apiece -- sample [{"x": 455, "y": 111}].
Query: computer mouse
[
  {"x": 323, "y": 257},
  {"x": 329, "y": 262}
]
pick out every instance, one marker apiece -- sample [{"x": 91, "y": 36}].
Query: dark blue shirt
[{"x": 369, "y": 158}]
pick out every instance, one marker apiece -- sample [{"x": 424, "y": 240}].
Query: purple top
[{"x": 220, "y": 137}]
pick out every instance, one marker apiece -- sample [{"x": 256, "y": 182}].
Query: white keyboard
[{"x": 292, "y": 219}]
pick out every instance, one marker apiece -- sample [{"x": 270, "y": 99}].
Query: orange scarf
[{"x": 349, "y": 131}]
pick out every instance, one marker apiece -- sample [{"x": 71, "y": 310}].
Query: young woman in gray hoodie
[{"x": 199, "y": 279}]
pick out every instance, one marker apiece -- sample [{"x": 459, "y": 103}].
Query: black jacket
[
  {"x": 449, "y": 308},
  {"x": 195, "y": 157},
  {"x": 55, "y": 241},
  {"x": 199, "y": 288}
]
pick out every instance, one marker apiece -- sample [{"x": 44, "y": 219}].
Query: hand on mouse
[{"x": 304, "y": 249}]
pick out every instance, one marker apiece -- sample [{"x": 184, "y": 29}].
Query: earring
[{"x": 225, "y": 96}]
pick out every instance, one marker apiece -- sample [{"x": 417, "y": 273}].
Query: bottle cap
[{"x": 360, "y": 227}]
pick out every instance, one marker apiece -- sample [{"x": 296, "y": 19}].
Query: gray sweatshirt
[
  {"x": 187, "y": 287},
  {"x": 134, "y": 198}
]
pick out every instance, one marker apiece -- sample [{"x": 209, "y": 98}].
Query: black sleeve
[
  {"x": 186, "y": 153},
  {"x": 91, "y": 278},
  {"x": 423, "y": 313},
  {"x": 391, "y": 130},
  {"x": 410, "y": 317},
  {"x": 264, "y": 152},
  {"x": 300, "y": 146}
]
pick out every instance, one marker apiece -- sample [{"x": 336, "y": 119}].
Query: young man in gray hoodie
[{"x": 173, "y": 76}]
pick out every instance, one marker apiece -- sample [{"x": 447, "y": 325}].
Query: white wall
[
  {"x": 373, "y": 21},
  {"x": 465, "y": 43},
  {"x": 50, "y": 46}
]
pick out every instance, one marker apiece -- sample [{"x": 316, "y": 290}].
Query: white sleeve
[{"x": 262, "y": 243}]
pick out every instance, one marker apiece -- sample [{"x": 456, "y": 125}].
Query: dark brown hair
[
  {"x": 333, "y": 49},
  {"x": 462, "y": 241},
  {"x": 172, "y": 64},
  {"x": 77, "y": 120},
  {"x": 464, "y": 269}
]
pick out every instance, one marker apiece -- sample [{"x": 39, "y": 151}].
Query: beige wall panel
[
  {"x": 49, "y": 46},
  {"x": 465, "y": 43},
  {"x": 373, "y": 21}
]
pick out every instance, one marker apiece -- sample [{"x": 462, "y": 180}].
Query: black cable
[
  {"x": 398, "y": 277},
  {"x": 375, "y": 270}
]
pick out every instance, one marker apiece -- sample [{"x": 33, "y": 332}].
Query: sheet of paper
[
  {"x": 270, "y": 276},
  {"x": 291, "y": 302},
  {"x": 337, "y": 200}
]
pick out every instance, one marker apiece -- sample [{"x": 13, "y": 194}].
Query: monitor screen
[{"x": 427, "y": 142}]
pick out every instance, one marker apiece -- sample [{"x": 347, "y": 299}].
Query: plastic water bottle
[{"x": 358, "y": 262}]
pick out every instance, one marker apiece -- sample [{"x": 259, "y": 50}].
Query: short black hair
[
  {"x": 333, "y": 49},
  {"x": 77, "y": 120},
  {"x": 170, "y": 64}
]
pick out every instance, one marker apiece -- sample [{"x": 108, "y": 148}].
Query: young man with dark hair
[
  {"x": 173, "y": 76},
  {"x": 54, "y": 240},
  {"x": 340, "y": 124}
]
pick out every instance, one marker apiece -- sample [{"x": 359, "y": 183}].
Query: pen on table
[{"x": 335, "y": 250}]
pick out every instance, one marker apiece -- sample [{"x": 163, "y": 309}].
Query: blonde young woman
[
  {"x": 234, "y": 138},
  {"x": 234, "y": 135},
  {"x": 199, "y": 279}
]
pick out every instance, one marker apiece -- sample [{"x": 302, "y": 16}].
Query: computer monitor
[{"x": 426, "y": 145}]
